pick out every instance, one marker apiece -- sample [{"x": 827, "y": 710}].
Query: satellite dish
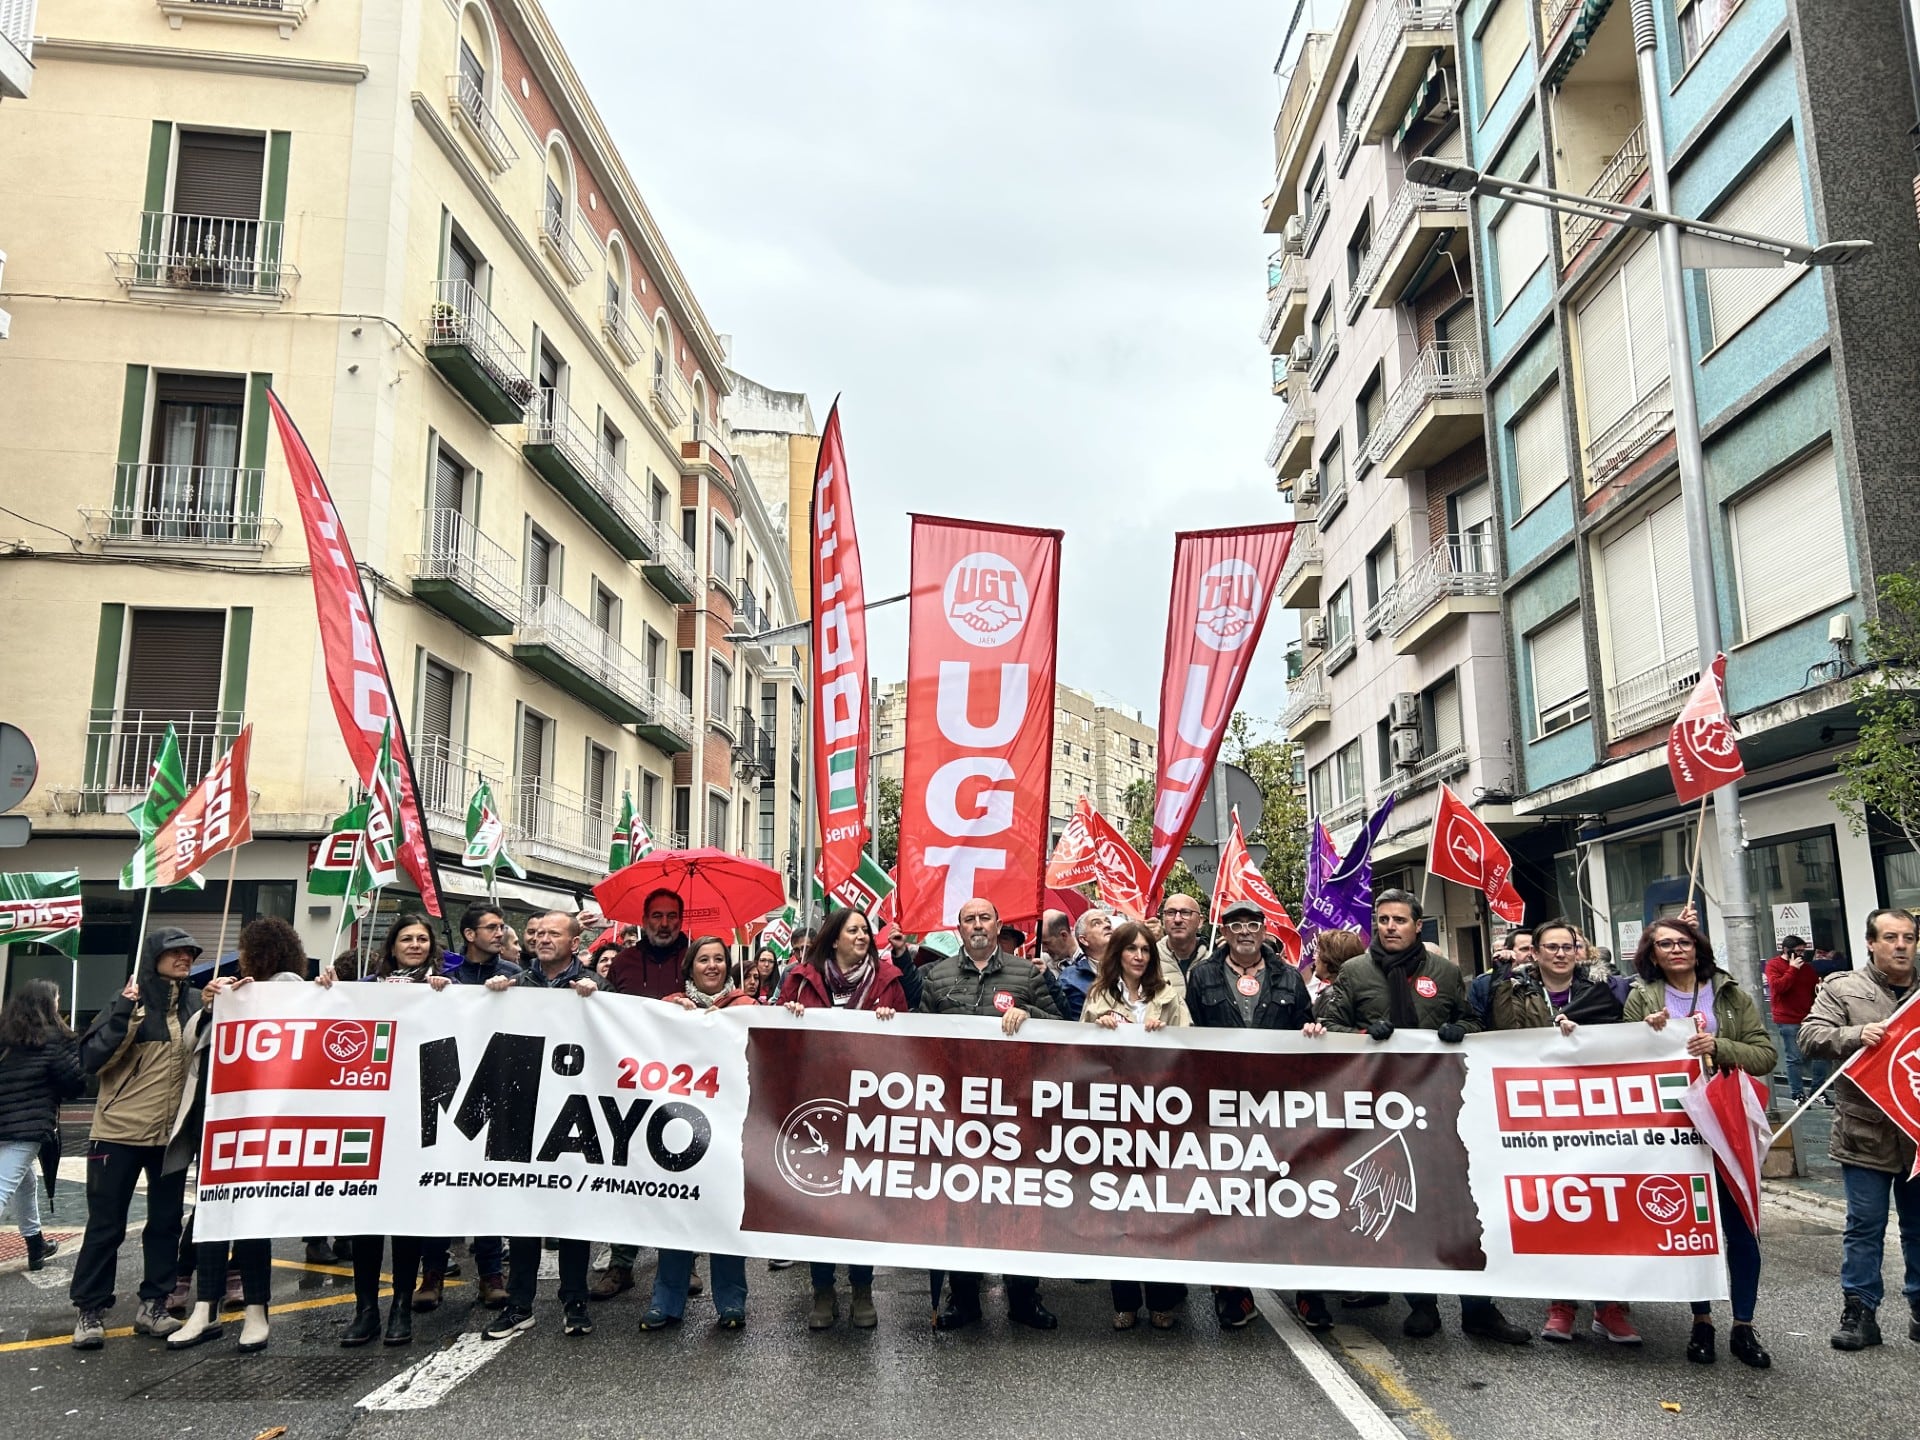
[{"x": 19, "y": 766}]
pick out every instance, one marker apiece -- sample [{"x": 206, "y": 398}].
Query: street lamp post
[{"x": 1680, "y": 241}]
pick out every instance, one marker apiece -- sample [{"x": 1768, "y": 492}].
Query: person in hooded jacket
[
  {"x": 39, "y": 1067},
  {"x": 145, "y": 1048}
]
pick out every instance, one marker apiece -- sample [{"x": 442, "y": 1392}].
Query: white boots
[
  {"x": 253, "y": 1330},
  {"x": 204, "y": 1325}
]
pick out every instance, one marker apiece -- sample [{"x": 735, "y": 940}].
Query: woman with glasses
[{"x": 1680, "y": 984}]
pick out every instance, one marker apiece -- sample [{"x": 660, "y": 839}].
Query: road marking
[
  {"x": 1358, "y": 1408},
  {"x": 1379, "y": 1366},
  {"x": 426, "y": 1384}
]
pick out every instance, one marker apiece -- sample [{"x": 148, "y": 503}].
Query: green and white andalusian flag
[
  {"x": 778, "y": 936},
  {"x": 631, "y": 839},
  {"x": 863, "y": 890},
  {"x": 166, "y": 788},
  {"x": 41, "y": 906},
  {"x": 385, "y": 829},
  {"x": 339, "y": 865},
  {"x": 487, "y": 837}
]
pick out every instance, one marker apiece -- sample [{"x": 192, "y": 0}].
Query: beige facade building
[
  {"x": 773, "y": 434},
  {"x": 407, "y": 219}
]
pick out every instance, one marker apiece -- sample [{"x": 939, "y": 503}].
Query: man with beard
[{"x": 1400, "y": 984}]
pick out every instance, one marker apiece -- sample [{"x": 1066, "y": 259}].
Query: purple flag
[
  {"x": 1322, "y": 859},
  {"x": 1344, "y": 900}
]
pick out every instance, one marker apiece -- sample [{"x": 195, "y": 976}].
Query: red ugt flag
[
  {"x": 1466, "y": 852},
  {"x": 842, "y": 721},
  {"x": 1701, "y": 751},
  {"x": 1118, "y": 870},
  {"x": 357, "y": 678},
  {"x": 1889, "y": 1073},
  {"x": 1240, "y": 879},
  {"x": 1072, "y": 862}
]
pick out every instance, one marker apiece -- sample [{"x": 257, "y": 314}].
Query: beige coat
[{"x": 1169, "y": 1006}]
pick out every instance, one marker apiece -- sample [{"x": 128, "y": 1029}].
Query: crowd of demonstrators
[
  {"x": 762, "y": 980},
  {"x": 1792, "y": 977},
  {"x": 1331, "y": 950},
  {"x": 1516, "y": 949},
  {"x": 39, "y": 1068},
  {"x": 1679, "y": 981},
  {"x": 1849, "y": 1013}
]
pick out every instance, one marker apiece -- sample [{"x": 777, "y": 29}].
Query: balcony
[
  {"x": 1292, "y": 447},
  {"x": 1552, "y": 12},
  {"x": 708, "y": 445},
  {"x": 1341, "y": 649},
  {"x": 750, "y": 619},
  {"x": 666, "y": 396},
  {"x": 1406, "y": 40},
  {"x": 564, "y": 645},
  {"x": 207, "y": 255},
  {"x": 16, "y": 48},
  {"x": 283, "y": 15},
  {"x": 464, "y": 575},
  {"x": 1300, "y": 576},
  {"x": 449, "y": 775},
  {"x": 122, "y": 744},
  {"x": 1624, "y": 441},
  {"x": 1616, "y": 180},
  {"x": 561, "y": 447},
  {"x": 556, "y": 239},
  {"x": 1347, "y": 812},
  {"x": 753, "y": 748},
  {"x": 1292, "y": 126},
  {"x": 188, "y": 506},
  {"x": 560, "y": 826},
  {"x": 1435, "y": 410},
  {"x": 1309, "y": 702},
  {"x": 1450, "y": 762},
  {"x": 476, "y": 354},
  {"x": 1286, "y": 317},
  {"x": 1654, "y": 695},
  {"x": 1422, "y": 226},
  {"x": 1458, "y": 576},
  {"x": 668, "y": 725},
  {"x": 474, "y": 118},
  {"x": 670, "y": 569},
  {"x": 620, "y": 335}
]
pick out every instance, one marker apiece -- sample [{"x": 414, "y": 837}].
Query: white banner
[{"x": 1522, "y": 1164}]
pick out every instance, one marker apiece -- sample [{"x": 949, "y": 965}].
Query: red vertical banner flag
[
  {"x": 842, "y": 719},
  {"x": 1466, "y": 852},
  {"x": 1701, "y": 751},
  {"x": 981, "y": 651},
  {"x": 357, "y": 679},
  {"x": 1223, "y": 584},
  {"x": 216, "y": 816},
  {"x": 1240, "y": 879}
]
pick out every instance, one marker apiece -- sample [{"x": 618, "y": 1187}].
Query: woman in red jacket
[{"x": 843, "y": 971}]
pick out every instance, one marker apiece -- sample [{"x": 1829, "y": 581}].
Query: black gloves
[
  {"x": 1451, "y": 1033},
  {"x": 1380, "y": 1030}
]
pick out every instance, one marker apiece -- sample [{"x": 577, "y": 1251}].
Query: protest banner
[{"x": 1526, "y": 1163}]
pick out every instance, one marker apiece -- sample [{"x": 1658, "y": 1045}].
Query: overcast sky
[{"x": 1021, "y": 238}]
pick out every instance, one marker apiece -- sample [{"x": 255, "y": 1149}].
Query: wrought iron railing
[
  {"x": 209, "y": 253},
  {"x": 1394, "y": 23},
  {"x": 450, "y": 774},
  {"x": 670, "y": 550},
  {"x": 452, "y": 548},
  {"x": 556, "y": 235},
  {"x": 1651, "y": 696},
  {"x": 472, "y": 114},
  {"x": 670, "y": 708},
  {"x": 620, "y": 335},
  {"x": 1430, "y": 771},
  {"x": 665, "y": 393},
  {"x": 16, "y": 24},
  {"x": 1449, "y": 370},
  {"x": 122, "y": 744},
  {"x": 1412, "y": 202},
  {"x": 1457, "y": 565},
  {"x": 1299, "y": 412},
  {"x": 1618, "y": 176},
  {"x": 1552, "y": 12},
  {"x": 546, "y": 619},
  {"x": 561, "y": 825},
  {"x": 1307, "y": 693},
  {"x": 1632, "y": 435},
  {"x": 460, "y": 317},
  {"x": 185, "y": 504},
  {"x": 1304, "y": 551}
]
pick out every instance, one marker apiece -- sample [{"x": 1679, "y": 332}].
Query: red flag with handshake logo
[
  {"x": 842, "y": 721},
  {"x": 1466, "y": 852},
  {"x": 1701, "y": 751},
  {"x": 981, "y": 648},
  {"x": 1889, "y": 1073},
  {"x": 1223, "y": 584},
  {"x": 357, "y": 677}
]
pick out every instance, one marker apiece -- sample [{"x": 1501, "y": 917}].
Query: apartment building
[
  {"x": 1782, "y": 118},
  {"x": 1399, "y": 683},
  {"x": 773, "y": 434},
  {"x": 16, "y": 83},
  {"x": 407, "y": 219}
]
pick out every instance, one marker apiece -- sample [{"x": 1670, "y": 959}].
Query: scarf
[
  {"x": 1398, "y": 970},
  {"x": 851, "y": 989},
  {"x": 705, "y": 1001}
]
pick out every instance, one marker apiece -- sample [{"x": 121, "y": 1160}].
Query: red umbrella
[{"x": 720, "y": 894}]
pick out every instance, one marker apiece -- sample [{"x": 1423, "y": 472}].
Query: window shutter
[
  {"x": 1606, "y": 380},
  {"x": 596, "y": 776},
  {"x": 1633, "y": 625},
  {"x": 436, "y": 703},
  {"x": 539, "y": 565},
  {"x": 1502, "y": 42},
  {"x": 449, "y": 482},
  {"x": 1790, "y": 547},
  {"x": 1673, "y": 580},
  {"x": 1540, "y": 450},
  {"x": 1646, "y": 321},
  {"x": 1446, "y": 717},
  {"x": 1519, "y": 245},
  {"x": 533, "y": 745},
  {"x": 1768, "y": 202},
  {"x": 173, "y": 663},
  {"x": 1473, "y": 510},
  {"x": 217, "y": 174},
  {"x": 1559, "y": 663}
]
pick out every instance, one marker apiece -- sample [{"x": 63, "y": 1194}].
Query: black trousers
[
  {"x": 1022, "y": 1290},
  {"x": 367, "y": 1251},
  {"x": 523, "y": 1270},
  {"x": 113, "y": 1170},
  {"x": 1156, "y": 1295},
  {"x": 252, "y": 1258}
]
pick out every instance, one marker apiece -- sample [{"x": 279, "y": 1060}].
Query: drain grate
[{"x": 267, "y": 1377}]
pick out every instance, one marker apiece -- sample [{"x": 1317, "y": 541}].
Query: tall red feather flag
[
  {"x": 1240, "y": 879},
  {"x": 357, "y": 677},
  {"x": 1702, "y": 752},
  {"x": 842, "y": 719}
]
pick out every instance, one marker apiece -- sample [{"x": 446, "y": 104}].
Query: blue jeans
[
  {"x": 1864, "y": 1244},
  {"x": 676, "y": 1268},
  {"x": 17, "y": 1184},
  {"x": 1799, "y": 1068},
  {"x": 1743, "y": 1261},
  {"x": 857, "y": 1275}
]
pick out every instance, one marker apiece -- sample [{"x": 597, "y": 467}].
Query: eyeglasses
[
  {"x": 1241, "y": 927},
  {"x": 1560, "y": 949},
  {"x": 1171, "y": 914},
  {"x": 1675, "y": 944}
]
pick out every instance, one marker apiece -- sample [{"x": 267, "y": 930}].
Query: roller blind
[
  {"x": 533, "y": 745},
  {"x": 1473, "y": 510},
  {"x": 1559, "y": 664},
  {"x": 449, "y": 482},
  {"x": 1646, "y": 320},
  {"x": 539, "y": 565},
  {"x": 1672, "y": 580},
  {"x": 1790, "y": 547},
  {"x": 1768, "y": 202},
  {"x": 1633, "y": 622},
  {"x": 1446, "y": 716},
  {"x": 598, "y": 761},
  {"x": 217, "y": 174},
  {"x": 1503, "y": 40},
  {"x": 173, "y": 663},
  {"x": 1540, "y": 450},
  {"x": 1606, "y": 374},
  {"x": 1519, "y": 245},
  {"x": 436, "y": 703}
]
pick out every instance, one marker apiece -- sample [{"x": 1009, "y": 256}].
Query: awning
[
  {"x": 1592, "y": 12},
  {"x": 473, "y": 885},
  {"x": 1433, "y": 84}
]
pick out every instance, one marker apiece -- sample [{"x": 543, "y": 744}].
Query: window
[
  {"x": 1340, "y": 616},
  {"x": 1539, "y": 450},
  {"x": 473, "y": 74},
  {"x": 690, "y": 530},
  {"x": 1349, "y": 777},
  {"x": 1557, "y": 657},
  {"x": 1343, "y": 107},
  {"x": 719, "y": 692},
  {"x": 606, "y": 611},
  {"x": 220, "y": 176},
  {"x": 550, "y": 374},
  {"x": 463, "y": 260},
  {"x": 686, "y": 675},
  {"x": 1700, "y": 21},
  {"x": 1382, "y": 570},
  {"x": 1621, "y": 338},
  {"x": 174, "y": 660},
  {"x": 1358, "y": 246},
  {"x": 722, "y": 554},
  {"x": 1503, "y": 40},
  {"x": 1319, "y": 332},
  {"x": 193, "y": 483},
  {"x": 533, "y": 746},
  {"x": 613, "y": 446},
  {"x": 450, "y": 484},
  {"x": 655, "y": 653},
  {"x": 657, "y": 501},
  {"x": 1366, "y": 416},
  {"x": 682, "y": 814},
  {"x": 650, "y": 800},
  {"x": 1440, "y": 710},
  {"x": 1519, "y": 235},
  {"x": 1646, "y": 574},
  {"x": 1470, "y": 529},
  {"x": 599, "y": 781},
  {"x": 1320, "y": 788},
  {"x": 541, "y": 569},
  {"x": 1768, "y": 202},
  {"x": 1316, "y": 202},
  {"x": 718, "y": 807},
  {"x": 1790, "y": 547},
  {"x": 1333, "y": 477},
  {"x": 439, "y": 683},
  {"x": 766, "y": 825}
]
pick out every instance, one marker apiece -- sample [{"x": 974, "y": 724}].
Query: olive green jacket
[{"x": 1743, "y": 1041}]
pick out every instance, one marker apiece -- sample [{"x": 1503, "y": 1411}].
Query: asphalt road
[{"x": 904, "y": 1380}]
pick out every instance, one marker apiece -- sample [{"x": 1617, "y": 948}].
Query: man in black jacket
[
  {"x": 1243, "y": 985},
  {"x": 483, "y": 931}
]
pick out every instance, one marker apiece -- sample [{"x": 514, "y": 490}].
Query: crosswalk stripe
[{"x": 426, "y": 1384}]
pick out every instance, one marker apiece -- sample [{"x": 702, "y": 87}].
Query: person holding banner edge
[{"x": 1679, "y": 981}]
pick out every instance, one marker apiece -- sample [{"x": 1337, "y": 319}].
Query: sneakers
[
  {"x": 579, "y": 1320},
  {"x": 1559, "y": 1326},
  {"x": 493, "y": 1291},
  {"x": 90, "y": 1330},
  {"x": 1611, "y": 1323},
  {"x": 1233, "y": 1308},
  {"x": 152, "y": 1319},
  {"x": 610, "y": 1282},
  {"x": 39, "y": 1247},
  {"x": 181, "y": 1300},
  {"x": 1485, "y": 1322},
  {"x": 1311, "y": 1307},
  {"x": 1859, "y": 1326},
  {"x": 510, "y": 1321}
]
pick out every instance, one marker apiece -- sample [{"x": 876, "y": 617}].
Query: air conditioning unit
[
  {"x": 1406, "y": 711},
  {"x": 1301, "y": 356},
  {"x": 1306, "y": 489},
  {"x": 1313, "y": 631},
  {"x": 1407, "y": 749},
  {"x": 1293, "y": 239}
]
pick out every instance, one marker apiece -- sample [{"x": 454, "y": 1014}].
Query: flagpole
[
  {"x": 226, "y": 907},
  {"x": 1699, "y": 834},
  {"x": 146, "y": 910},
  {"x": 363, "y": 958},
  {"x": 339, "y": 928},
  {"x": 1838, "y": 1071}
]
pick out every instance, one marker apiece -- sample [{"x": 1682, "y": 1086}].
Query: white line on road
[
  {"x": 1359, "y": 1409},
  {"x": 422, "y": 1386}
]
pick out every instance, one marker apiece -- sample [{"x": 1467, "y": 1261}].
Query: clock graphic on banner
[{"x": 809, "y": 1146}]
